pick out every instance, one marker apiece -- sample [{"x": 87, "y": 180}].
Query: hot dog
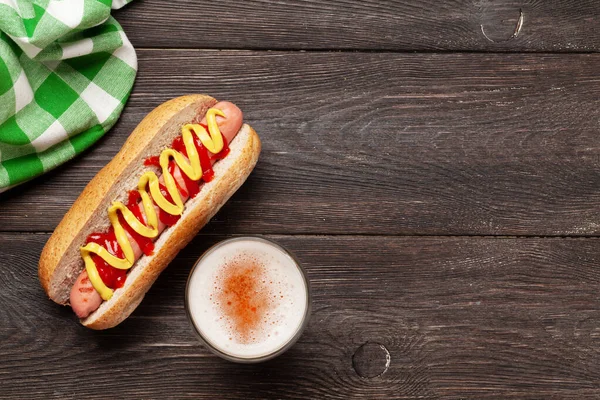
[
  {"x": 84, "y": 299},
  {"x": 179, "y": 166}
]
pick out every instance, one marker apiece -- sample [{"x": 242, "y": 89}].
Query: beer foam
[{"x": 247, "y": 298}]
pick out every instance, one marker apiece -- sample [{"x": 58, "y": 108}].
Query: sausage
[{"x": 84, "y": 299}]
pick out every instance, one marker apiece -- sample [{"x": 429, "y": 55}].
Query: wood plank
[
  {"x": 365, "y": 143},
  {"x": 458, "y": 25},
  {"x": 485, "y": 318}
]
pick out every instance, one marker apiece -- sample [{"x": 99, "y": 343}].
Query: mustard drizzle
[{"x": 212, "y": 140}]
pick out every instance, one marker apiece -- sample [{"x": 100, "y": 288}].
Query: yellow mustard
[{"x": 212, "y": 140}]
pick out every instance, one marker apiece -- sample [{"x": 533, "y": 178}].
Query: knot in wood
[
  {"x": 371, "y": 360},
  {"x": 496, "y": 29}
]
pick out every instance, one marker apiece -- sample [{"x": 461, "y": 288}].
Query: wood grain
[
  {"x": 370, "y": 143},
  {"x": 477, "y": 318},
  {"x": 368, "y": 154},
  {"x": 430, "y": 25}
]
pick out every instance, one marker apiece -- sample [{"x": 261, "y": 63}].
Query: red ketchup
[
  {"x": 164, "y": 216},
  {"x": 191, "y": 185},
  {"x": 111, "y": 276},
  {"x": 182, "y": 191},
  {"x": 224, "y": 151},
  {"x": 153, "y": 161},
  {"x": 115, "y": 278},
  {"x": 134, "y": 206},
  {"x": 205, "y": 160}
]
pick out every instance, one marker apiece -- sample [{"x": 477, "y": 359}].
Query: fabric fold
[{"x": 66, "y": 72}]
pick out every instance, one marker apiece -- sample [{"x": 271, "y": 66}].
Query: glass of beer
[{"x": 248, "y": 299}]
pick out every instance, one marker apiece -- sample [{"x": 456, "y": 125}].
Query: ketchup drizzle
[
  {"x": 153, "y": 161},
  {"x": 114, "y": 277},
  {"x": 182, "y": 191},
  {"x": 146, "y": 244},
  {"x": 192, "y": 186},
  {"x": 164, "y": 216}
]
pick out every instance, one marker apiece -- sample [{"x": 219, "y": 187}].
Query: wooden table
[{"x": 434, "y": 165}]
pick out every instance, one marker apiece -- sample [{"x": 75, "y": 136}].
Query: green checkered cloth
[{"x": 66, "y": 71}]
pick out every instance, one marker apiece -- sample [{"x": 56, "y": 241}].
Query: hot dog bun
[{"x": 61, "y": 263}]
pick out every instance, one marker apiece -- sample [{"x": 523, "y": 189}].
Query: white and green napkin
[{"x": 66, "y": 71}]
